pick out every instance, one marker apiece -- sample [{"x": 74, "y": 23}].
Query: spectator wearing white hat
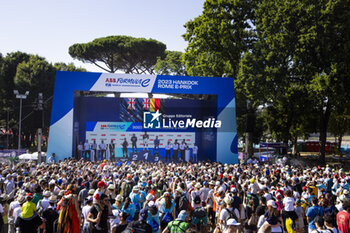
[
  {"x": 43, "y": 203},
  {"x": 13, "y": 205},
  {"x": 153, "y": 217},
  {"x": 85, "y": 212},
  {"x": 228, "y": 213},
  {"x": 232, "y": 226},
  {"x": 136, "y": 199},
  {"x": 197, "y": 196},
  {"x": 50, "y": 214}
]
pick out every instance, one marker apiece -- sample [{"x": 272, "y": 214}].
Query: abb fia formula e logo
[{"x": 127, "y": 82}]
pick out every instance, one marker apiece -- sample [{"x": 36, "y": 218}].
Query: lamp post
[{"x": 20, "y": 97}]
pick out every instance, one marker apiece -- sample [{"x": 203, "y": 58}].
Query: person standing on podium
[
  {"x": 80, "y": 150},
  {"x": 86, "y": 150},
  {"x": 175, "y": 150},
  {"x": 102, "y": 147},
  {"x": 134, "y": 143},
  {"x": 125, "y": 148},
  {"x": 112, "y": 150},
  {"x": 182, "y": 150},
  {"x": 145, "y": 138},
  {"x": 167, "y": 152},
  {"x": 156, "y": 146},
  {"x": 94, "y": 149}
]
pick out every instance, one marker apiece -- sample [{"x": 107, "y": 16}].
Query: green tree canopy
[
  {"x": 171, "y": 64},
  {"x": 26, "y": 72},
  {"x": 218, "y": 37},
  {"x": 123, "y": 53}
]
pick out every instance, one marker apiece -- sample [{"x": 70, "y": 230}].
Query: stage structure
[{"x": 208, "y": 122}]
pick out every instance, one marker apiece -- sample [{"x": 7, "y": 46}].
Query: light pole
[{"x": 20, "y": 97}]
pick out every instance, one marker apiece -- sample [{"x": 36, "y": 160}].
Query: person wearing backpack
[
  {"x": 199, "y": 214},
  {"x": 50, "y": 215},
  {"x": 127, "y": 186},
  {"x": 167, "y": 208},
  {"x": 153, "y": 217},
  {"x": 313, "y": 212},
  {"x": 181, "y": 200},
  {"x": 228, "y": 213},
  {"x": 179, "y": 225},
  {"x": 197, "y": 196},
  {"x": 139, "y": 226}
]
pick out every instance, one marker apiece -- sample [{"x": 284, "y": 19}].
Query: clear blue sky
[{"x": 49, "y": 27}]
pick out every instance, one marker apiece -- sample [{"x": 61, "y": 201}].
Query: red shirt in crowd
[{"x": 343, "y": 220}]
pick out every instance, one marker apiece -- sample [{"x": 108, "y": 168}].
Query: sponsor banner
[
  {"x": 11, "y": 153},
  {"x": 112, "y": 131}
]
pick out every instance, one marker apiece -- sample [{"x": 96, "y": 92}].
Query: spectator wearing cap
[
  {"x": 13, "y": 205},
  {"x": 17, "y": 211},
  {"x": 272, "y": 215},
  {"x": 44, "y": 203},
  {"x": 149, "y": 198},
  {"x": 85, "y": 212},
  {"x": 3, "y": 211},
  {"x": 98, "y": 216},
  {"x": 136, "y": 199},
  {"x": 118, "y": 204},
  {"x": 210, "y": 201},
  {"x": 228, "y": 213},
  {"x": 50, "y": 214},
  {"x": 232, "y": 226},
  {"x": 219, "y": 196},
  {"x": 153, "y": 217},
  {"x": 28, "y": 208},
  {"x": 299, "y": 225},
  {"x": 179, "y": 224},
  {"x": 205, "y": 190},
  {"x": 111, "y": 193},
  {"x": 84, "y": 193},
  {"x": 166, "y": 206},
  {"x": 99, "y": 191},
  {"x": 312, "y": 212},
  {"x": 141, "y": 224},
  {"x": 127, "y": 185},
  {"x": 28, "y": 221},
  {"x": 197, "y": 196},
  {"x": 142, "y": 193}
]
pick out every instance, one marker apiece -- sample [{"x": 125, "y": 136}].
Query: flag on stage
[
  {"x": 146, "y": 104},
  {"x": 131, "y": 109},
  {"x": 154, "y": 105},
  {"x": 131, "y": 104}
]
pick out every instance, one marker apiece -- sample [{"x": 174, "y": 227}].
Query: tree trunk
[
  {"x": 295, "y": 145},
  {"x": 323, "y": 135},
  {"x": 340, "y": 139}
]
